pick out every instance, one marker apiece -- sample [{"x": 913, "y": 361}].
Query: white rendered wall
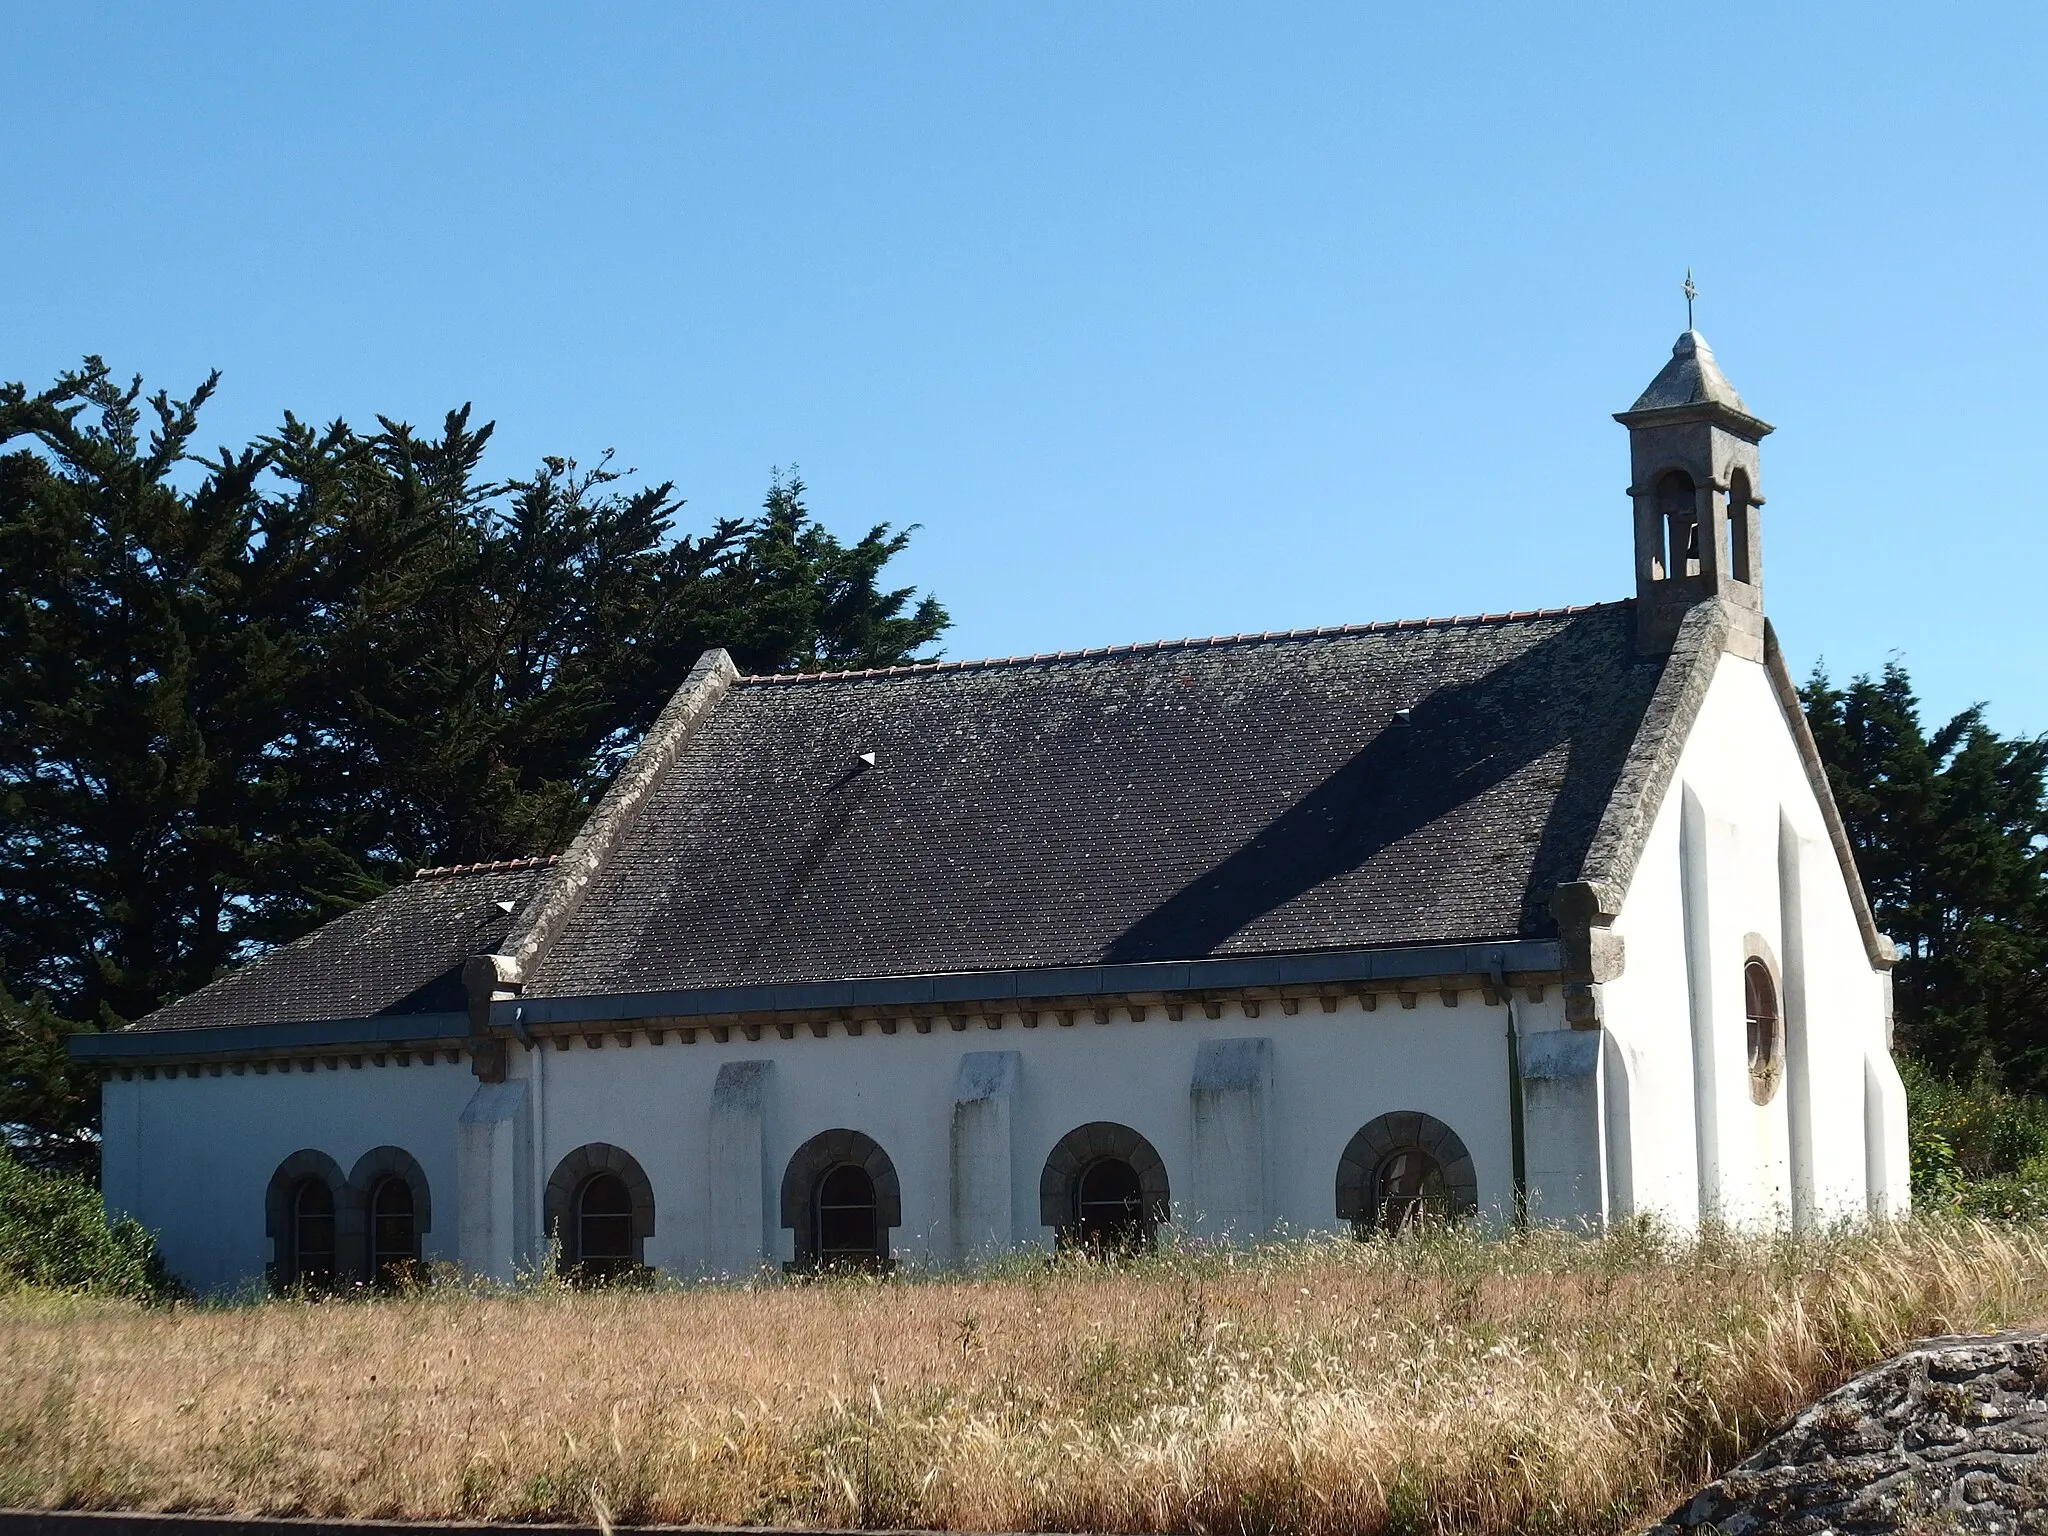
[
  {"x": 1739, "y": 849},
  {"x": 191, "y": 1158},
  {"x": 1331, "y": 1073}
]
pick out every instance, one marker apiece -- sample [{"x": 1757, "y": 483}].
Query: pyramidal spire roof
[{"x": 1693, "y": 379}]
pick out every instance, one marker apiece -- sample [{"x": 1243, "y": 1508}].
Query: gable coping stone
[{"x": 494, "y": 976}]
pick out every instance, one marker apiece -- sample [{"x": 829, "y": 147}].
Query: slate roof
[
  {"x": 399, "y": 954},
  {"x": 1423, "y": 782}
]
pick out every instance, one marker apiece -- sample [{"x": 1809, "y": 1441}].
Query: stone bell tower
[{"x": 1693, "y": 463}]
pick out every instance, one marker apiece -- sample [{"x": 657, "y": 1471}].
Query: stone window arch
[
  {"x": 1402, "y": 1168},
  {"x": 841, "y": 1198},
  {"x": 313, "y": 1221},
  {"x": 599, "y": 1209},
  {"x": 389, "y": 1187},
  {"x": 1104, "y": 1189}
]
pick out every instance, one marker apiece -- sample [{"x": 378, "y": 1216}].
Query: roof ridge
[
  {"x": 494, "y": 867},
  {"x": 1192, "y": 643}
]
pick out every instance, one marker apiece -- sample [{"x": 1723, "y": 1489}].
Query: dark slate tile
[
  {"x": 1241, "y": 798},
  {"x": 399, "y": 954}
]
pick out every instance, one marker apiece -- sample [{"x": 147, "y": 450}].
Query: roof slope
[
  {"x": 1246, "y": 796},
  {"x": 401, "y": 953},
  {"x": 1692, "y": 378}
]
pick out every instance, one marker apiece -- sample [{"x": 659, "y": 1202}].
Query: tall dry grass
[{"x": 1447, "y": 1383}]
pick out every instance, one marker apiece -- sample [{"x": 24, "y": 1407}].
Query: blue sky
[{"x": 1159, "y": 319}]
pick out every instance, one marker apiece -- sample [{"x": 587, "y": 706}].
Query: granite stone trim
[
  {"x": 378, "y": 1163},
  {"x": 1090, "y": 1143},
  {"x": 425, "y": 1032},
  {"x": 562, "y": 891},
  {"x": 1438, "y": 964},
  {"x": 1652, "y": 761},
  {"x": 1585, "y": 909},
  {"x": 577, "y": 1169},
  {"x": 1951, "y": 1435},
  {"x": 1692, "y": 384},
  {"x": 1879, "y": 948},
  {"x": 1379, "y": 1139},
  {"x": 1530, "y": 962},
  {"x": 819, "y": 1156},
  {"x": 310, "y": 1163}
]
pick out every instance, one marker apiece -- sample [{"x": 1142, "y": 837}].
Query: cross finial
[{"x": 1691, "y": 293}]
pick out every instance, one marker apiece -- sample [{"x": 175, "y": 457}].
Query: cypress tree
[{"x": 240, "y": 694}]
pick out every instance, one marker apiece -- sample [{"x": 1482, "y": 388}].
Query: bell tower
[{"x": 1693, "y": 465}]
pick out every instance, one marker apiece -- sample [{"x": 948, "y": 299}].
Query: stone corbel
[
  {"x": 1592, "y": 952},
  {"x": 488, "y": 979}
]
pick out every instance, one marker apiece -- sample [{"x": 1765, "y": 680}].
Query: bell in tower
[{"x": 1693, "y": 464}]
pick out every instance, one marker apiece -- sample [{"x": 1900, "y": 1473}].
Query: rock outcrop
[{"x": 1951, "y": 1435}]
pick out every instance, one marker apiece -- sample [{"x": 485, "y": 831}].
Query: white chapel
[{"x": 1545, "y": 915}]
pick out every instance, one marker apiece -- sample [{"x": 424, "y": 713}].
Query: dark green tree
[
  {"x": 163, "y": 650},
  {"x": 795, "y": 598},
  {"x": 48, "y": 1105},
  {"x": 1951, "y": 837},
  {"x": 240, "y": 694}
]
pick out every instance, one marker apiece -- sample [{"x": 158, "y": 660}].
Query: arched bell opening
[
  {"x": 1743, "y": 555},
  {"x": 1676, "y": 499}
]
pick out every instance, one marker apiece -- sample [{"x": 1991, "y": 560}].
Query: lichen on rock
[{"x": 1951, "y": 1435}]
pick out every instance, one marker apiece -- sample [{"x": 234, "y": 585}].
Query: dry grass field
[{"x": 1432, "y": 1384}]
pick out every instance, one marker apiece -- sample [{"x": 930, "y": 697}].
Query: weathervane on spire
[{"x": 1691, "y": 293}]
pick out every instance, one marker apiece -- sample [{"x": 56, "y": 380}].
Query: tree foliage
[
  {"x": 240, "y": 693},
  {"x": 1950, "y": 830},
  {"x": 48, "y": 1103}
]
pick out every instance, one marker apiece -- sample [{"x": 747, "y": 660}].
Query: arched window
[
  {"x": 847, "y": 1234},
  {"x": 313, "y": 1255},
  {"x": 604, "y": 1228},
  {"x": 840, "y": 1198},
  {"x": 389, "y": 1210},
  {"x": 1766, "y": 1035},
  {"x": 1104, "y": 1190},
  {"x": 1409, "y": 1189},
  {"x": 1109, "y": 1209},
  {"x": 1678, "y": 508},
  {"x": 599, "y": 1209},
  {"x": 1403, "y": 1169},
  {"x": 313, "y": 1217},
  {"x": 394, "y": 1240}
]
